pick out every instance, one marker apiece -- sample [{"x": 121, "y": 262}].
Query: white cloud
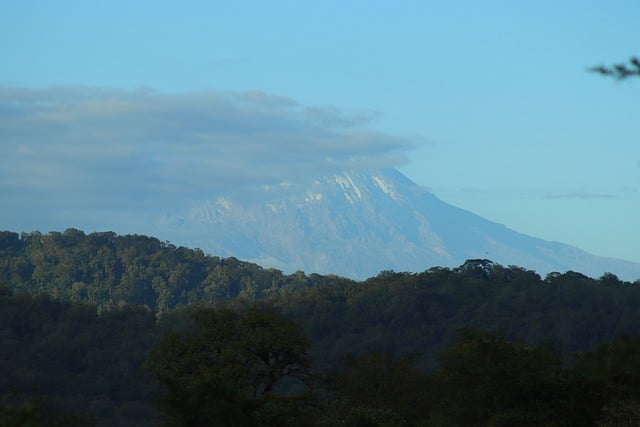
[{"x": 113, "y": 148}]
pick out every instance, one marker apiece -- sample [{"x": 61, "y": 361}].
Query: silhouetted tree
[{"x": 619, "y": 71}]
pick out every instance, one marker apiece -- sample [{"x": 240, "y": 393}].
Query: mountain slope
[{"x": 357, "y": 224}]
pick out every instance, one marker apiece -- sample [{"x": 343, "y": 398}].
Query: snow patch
[
  {"x": 224, "y": 203},
  {"x": 349, "y": 189},
  {"x": 387, "y": 189},
  {"x": 272, "y": 206},
  {"x": 355, "y": 188},
  {"x": 313, "y": 197}
]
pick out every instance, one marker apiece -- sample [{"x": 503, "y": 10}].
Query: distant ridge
[{"x": 357, "y": 224}]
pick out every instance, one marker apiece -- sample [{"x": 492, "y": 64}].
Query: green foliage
[
  {"x": 621, "y": 413},
  {"x": 246, "y": 365},
  {"x": 227, "y": 367},
  {"x": 611, "y": 372},
  {"x": 379, "y": 389},
  {"x": 404, "y": 313},
  {"x": 485, "y": 380},
  {"x": 346, "y": 415},
  {"x": 616, "y": 364},
  {"x": 79, "y": 362},
  {"x": 111, "y": 271},
  {"x": 39, "y": 414}
]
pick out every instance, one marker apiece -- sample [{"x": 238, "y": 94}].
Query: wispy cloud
[
  {"x": 116, "y": 148},
  {"x": 559, "y": 194},
  {"x": 581, "y": 195}
]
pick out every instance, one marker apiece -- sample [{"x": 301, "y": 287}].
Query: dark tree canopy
[
  {"x": 247, "y": 361},
  {"x": 226, "y": 369}
]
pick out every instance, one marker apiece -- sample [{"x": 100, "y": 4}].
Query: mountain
[{"x": 357, "y": 224}]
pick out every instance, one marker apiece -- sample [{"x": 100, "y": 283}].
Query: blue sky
[{"x": 488, "y": 104}]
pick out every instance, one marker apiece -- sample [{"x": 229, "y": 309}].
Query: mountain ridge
[{"x": 356, "y": 224}]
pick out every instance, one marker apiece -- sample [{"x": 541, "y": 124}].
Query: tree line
[
  {"x": 84, "y": 332},
  {"x": 111, "y": 271}
]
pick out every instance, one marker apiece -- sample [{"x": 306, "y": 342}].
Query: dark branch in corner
[{"x": 619, "y": 71}]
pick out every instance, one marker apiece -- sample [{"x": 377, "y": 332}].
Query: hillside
[
  {"x": 404, "y": 335},
  {"x": 123, "y": 293},
  {"x": 395, "y": 311},
  {"x": 112, "y": 271}
]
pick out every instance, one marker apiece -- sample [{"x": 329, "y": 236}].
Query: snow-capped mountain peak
[{"x": 356, "y": 224}]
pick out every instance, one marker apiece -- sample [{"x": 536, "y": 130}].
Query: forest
[{"x": 101, "y": 329}]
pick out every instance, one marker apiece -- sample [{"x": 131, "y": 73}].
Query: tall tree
[{"x": 227, "y": 368}]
